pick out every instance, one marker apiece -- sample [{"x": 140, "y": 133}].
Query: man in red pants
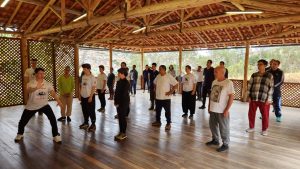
[{"x": 260, "y": 90}]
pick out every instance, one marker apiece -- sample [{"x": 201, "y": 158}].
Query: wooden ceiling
[{"x": 167, "y": 24}]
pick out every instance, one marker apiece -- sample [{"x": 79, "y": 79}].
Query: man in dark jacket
[
  {"x": 152, "y": 73},
  {"x": 278, "y": 77},
  {"x": 122, "y": 102},
  {"x": 133, "y": 80},
  {"x": 209, "y": 77}
]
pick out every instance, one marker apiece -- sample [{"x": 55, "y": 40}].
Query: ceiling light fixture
[
  {"x": 243, "y": 12},
  {"x": 80, "y": 17},
  {"x": 140, "y": 29},
  {"x": 4, "y": 3}
]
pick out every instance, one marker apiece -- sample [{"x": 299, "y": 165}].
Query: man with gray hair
[{"x": 220, "y": 101}]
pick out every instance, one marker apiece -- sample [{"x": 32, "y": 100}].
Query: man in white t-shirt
[
  {"x": 199, "y": 75},
  {"x": 188, "y": 83},
  {"x": 87, "y": 98},
  {"x": 220, "y": 101},
  {"x": 101, "y": 88},
  {"x": 163, "y": 93},
  {"x": 29, "y": 76},
  {"x": 39, "y": 90}
]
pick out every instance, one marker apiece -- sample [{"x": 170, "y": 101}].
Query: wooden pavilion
[{"x": 53, "y": 30}]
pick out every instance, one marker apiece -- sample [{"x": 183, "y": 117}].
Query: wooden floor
[{"x": 147, "y": 146}]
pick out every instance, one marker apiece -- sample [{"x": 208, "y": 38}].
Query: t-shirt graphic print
[{"x": 216, "y": 93}]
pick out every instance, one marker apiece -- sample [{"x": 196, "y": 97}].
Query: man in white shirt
[
  {"x": 101, "y": 87},
  {"x": 162, "y": 84},
  {"x": 188, "y": 83},
  {"x": 39, "y": 90},
  {"x": 220, "y": 101},
  {"x": 199, "y": 75},
  {"x": 29, "y": 75}
]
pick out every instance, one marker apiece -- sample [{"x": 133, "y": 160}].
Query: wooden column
[
  {"x": 142, "y": 68},
  {"x": 244, "y": 89},
  {"x": 180, "y": 64},
  {"x": 76, "y": 65},
  {"x": 110, "y": 56},
  {"x": 25, "y": 65}
]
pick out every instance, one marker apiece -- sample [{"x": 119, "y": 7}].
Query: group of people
[{"x": 264, "y": 88}]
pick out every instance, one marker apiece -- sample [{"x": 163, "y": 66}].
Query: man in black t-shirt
[
  {"x": 152, "y": 73},
  {"x": 110, "y": 83},
  {"x": 146, "y": 78},
  {"x": 209, "y": 77}
]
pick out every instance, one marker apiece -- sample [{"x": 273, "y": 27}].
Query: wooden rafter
[
  {"x": 28, "y": 18},
  {"x": 14, "y": 14}
]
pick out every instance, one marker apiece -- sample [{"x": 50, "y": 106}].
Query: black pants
[
  {"x": 122, "y": 114},
  {"x": 146, "y": 82},
  {"x": 111, "y": 91},
  {"x": 205, "y": 91},
  {"x": 102, "y": 98},
  {"x": 199, "y": 90},
  {"x": 88, "y": 110},
  {"x": 152, "y": 97},
  {"x": 166, "y": 104},
  {"x": 188, "y": 102},
  {"x": 27, "y": 114}
]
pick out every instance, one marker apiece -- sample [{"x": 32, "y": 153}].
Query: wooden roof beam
[
  {"x": 281, "y": 19},
  {"x": 40, "y": 16},
  {"x": 14, "y": 14},
  {"x": 58, "y": 8},
  {"x": 28, "y": 18},
  {"x": 151, "y": 9}
]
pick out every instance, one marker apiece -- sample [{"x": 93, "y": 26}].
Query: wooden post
[
  {"x": 110, "y": 56},
  {"x": 142, "y": 68},
  {"x": 25, "y": 64},
  {"x": 76, "y": 65},
  {"x": 180, "y": 64},
  {"x": 244, "y": 89}
]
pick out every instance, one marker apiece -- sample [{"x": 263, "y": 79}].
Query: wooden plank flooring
[{"x": 147, "y": 146}]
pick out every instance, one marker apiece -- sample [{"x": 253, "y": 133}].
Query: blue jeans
[
  {"x": 277, "y": 105},
  {"x": 133, "y": 86}
]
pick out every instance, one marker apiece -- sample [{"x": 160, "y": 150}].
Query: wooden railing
[{"x": 290, "y": 93}]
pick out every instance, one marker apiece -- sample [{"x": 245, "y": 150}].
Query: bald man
[{"x": 220, "y": 101}]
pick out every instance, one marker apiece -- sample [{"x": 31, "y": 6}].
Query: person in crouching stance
[
  {"x": 39, "y": 90},
  {"x": 122, "y": 102}
]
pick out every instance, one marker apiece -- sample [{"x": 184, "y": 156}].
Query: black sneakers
[
  {"x": 184, "y": 115},
  {"x": 68, "y": 119},
  {"x": 222, "y": 148},
  {"x": 61, "y": 119},
  {"x": 212, "y": 142}
]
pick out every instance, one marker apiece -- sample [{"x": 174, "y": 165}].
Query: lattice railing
[
  {"x": 10, "y": 72},
  {"x": 238, "y": 88}
]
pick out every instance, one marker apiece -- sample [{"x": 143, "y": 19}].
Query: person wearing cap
[
  {"x": 87, "y": 98},
  {"x": 39, "y": 90},
  {"x": 121, "y": 101},
  {"x": 66, "y": 86},
  {"x": 101, "y": 88}
]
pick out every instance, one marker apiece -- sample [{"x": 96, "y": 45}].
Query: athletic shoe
[
  {"x": 222, "y": 148},
  {"x": 202, "y": 107},
  {"x": 61, "y": 119},
  {"x": 120, "y": 137},
  {"x": 191, "y": 116},
  {"x": 68, "y": 119},
  {"x": 264, "y": 133},
  {"x": 57, "y": 138},
  {"x": 157, "y": 124},
  {"x": 92, "y": 128},
  {"x": 212, "y": 142},
  {"x": 184, "y": 115},
  {"x": 250, "y": 130},
  {"x": 19, "y": 137},
  {"x": 84, "y": 126},
  {"x": 278, "y": 119},
  {"x": 168, "y": 126}
]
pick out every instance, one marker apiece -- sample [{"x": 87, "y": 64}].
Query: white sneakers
[
  {"x": 19, "y": 137},
  {"x": 57, "y": 138},
  {"x": 251, "y": 130}
]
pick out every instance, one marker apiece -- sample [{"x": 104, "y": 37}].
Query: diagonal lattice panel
[
  {"x": 43, "y": 52},
  {"x": 10, "y": 72},
  {"x": 291, "y": 94},
  {"x": 64, "y": 56},
  {"x": 238, "y": 88}
]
